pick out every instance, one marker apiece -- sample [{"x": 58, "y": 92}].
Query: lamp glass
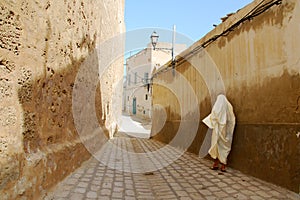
[{"x": 154, "y": 38}]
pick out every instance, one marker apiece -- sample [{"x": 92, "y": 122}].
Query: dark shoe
[
  {"x": 214, "y": 168},
  {"x": 215, "y": 165},
  {"x": 223, "y": 169}
]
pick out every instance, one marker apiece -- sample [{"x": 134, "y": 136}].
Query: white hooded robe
[{"x": 222, "y": 121}]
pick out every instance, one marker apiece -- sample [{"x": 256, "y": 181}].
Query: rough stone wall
[
  {"x": 42, "y": 45},
  {"x": 111, "y": 83},
  {"x": 259, "y": 64}
]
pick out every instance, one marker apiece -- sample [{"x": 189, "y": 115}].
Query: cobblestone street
[{"x": 189, "y": 177}]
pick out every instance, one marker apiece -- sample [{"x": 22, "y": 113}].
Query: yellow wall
[
  {"x": 257, "y": 66},
  {"x": 43, "y": 45}
]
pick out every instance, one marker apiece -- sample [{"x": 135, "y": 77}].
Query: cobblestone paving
[{"x": 189, "y": 177}]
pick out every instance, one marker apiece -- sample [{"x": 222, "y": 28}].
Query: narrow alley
[
  {"x": 102, "y": 100},
  {"x": 189, "y": 177}
]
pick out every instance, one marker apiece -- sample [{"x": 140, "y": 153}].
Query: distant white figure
[
  {"x": 222, "y": 121},
  {"x": 110, "y": 122},
  {"x": 112, "y": 130}
]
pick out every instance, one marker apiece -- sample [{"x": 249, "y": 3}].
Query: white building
[{"x": 139, "y": 69}]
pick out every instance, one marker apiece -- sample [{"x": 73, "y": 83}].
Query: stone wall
[
  {"x": 256, "y": 53},
  {"x": 42, "y": 46}
]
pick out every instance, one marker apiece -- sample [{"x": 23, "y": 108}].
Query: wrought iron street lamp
[{"x": 154, "y": 39}]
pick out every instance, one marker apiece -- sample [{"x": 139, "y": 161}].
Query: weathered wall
[
  {"x": 258, "y": 61},
  {"x": 111, "y": 83},
  {"x": 42, "y": 45}
]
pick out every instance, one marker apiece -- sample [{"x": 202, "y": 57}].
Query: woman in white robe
[{"x": 222, "y": 121}]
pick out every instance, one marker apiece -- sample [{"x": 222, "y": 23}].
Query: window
[
  {"x": 146, "y": 97},
  {"x": 135, "y": 77},
  {"x": 146, "y": 77},
  {"x": 129, "y": 77}
]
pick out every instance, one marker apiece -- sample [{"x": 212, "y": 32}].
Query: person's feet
[
  {"x": 223, "y": 168},
  {"x": 215, "y": 165}
]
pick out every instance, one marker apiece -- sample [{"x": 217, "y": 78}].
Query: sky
[{"x": 193, "y": 18}]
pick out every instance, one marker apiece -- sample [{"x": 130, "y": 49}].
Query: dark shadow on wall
[
  {"x": 166, "y": 98},
  {"x": 265, "y": 143},
  {"x": 52, "y": 146},
  {"x": 47, "y": 100}
]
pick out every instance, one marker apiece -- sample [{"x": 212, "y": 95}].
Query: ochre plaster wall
[
  {"x": 42, "y": 46},
  {"x": 259, "y": 63}
]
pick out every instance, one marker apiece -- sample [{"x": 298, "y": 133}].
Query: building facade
[{"x": 140, "y": 67}]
